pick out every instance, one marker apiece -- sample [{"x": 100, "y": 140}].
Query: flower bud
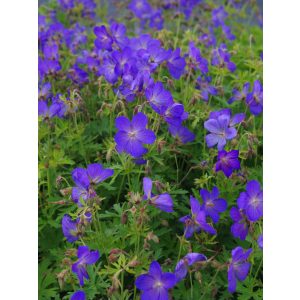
[
  {"x": 159, "y": 186},
  {"x": 198, "y": 277},
  {"x": 58, "y": 181},
  {"x": 133, "y": 263},
  {"x": 133, "y": 210},
  {"x": 61, "y": 277},
  {"x": 165, "y": 223},
  {"x": 146, "y": 245},
  {"x": 152, "y": 237},
  {"x": 124, "y": 218},
  {"x": 160, "y": 146},
  {"x": 67, "y": 262},
  {"x": 66, "y": 191}
]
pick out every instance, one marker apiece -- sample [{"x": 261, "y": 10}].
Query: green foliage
[{"x": 137, "y": 232}]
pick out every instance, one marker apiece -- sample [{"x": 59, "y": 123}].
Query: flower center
[
  {"x": 255, "y": 201},
  {"x": 222, "y": 133},
  {"x": 132, "y": 134},
  {"x": 209, "y": 203},
  {"x": 158, "y": 284},
  {"x": 224, "y": 160}
]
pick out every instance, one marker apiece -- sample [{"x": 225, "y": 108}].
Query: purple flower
[
  {"x": 208, "y": 39},
  {"x": 196, "y": 221},
  {"x": 218, "y": 16},
  {"x": 176, "y": 64},
  {"x": 45, "y": 91},
  {"x": 85, "y": 257},
  {"x": 75, "y": 37},
  {"x": 227, "y": 32},
  {"x": 109, "y": 70},
  {"x": 175, "y": 114},
  {"x": 103, "y": 40},
  {"x": 70, "y": 229},
  {"x": 140, "y": 83},
  {"x": 206, "y": 89},
  {"x": 237, "y": 95},
  {"x": 212, "y": 204},
  {"x": 159, "y": 98},
  {"x": 197, "y": 60},
  {"x": 56, "y": 109},
  {"x": 221, "y": 127},
  {"x": 66, "y": 4},
  {"x": 239, "y": 228},
  {"x": 141, "y": 8},
  {"x": 228, "y": 162},
  {"x": 163, "y": 201},
  {"x": 85, "y": 179},
  {"x": 221, "y": 58},
  {"x": 51, "y": 52},
  {"x": 255, "y": 98},
  {"x": 181, "y": 132},
  {"x": 89, "y": 7},
  {"x": 252, "y": 201},
  {"x": 238, "y": 268},
  {"x": 144, "y": 41},
  {"x": 260, "y": 241},
  {"x": 79, "y": 295},
  {"x": 78, "y": 75},
  {"x": 157, "y": 20},
  {"x": 155, "y": 284},
  {"x": 93, "y": 64},
  {"x": 181, "y": 268},
  {"x": 122, "y": 60},
  {"x": 156, "y": 55},
  {"x": 118, "y": 34},
  {"x": 48, "y": 67},
  {"x": 237, "y": 4},
  {"x": 132, "y": 135}
]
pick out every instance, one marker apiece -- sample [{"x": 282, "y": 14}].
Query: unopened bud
[
  {"x": 61, "y": 277},
  {"x": 124, "y": 218},
  {"x": 109, "y": 154},
  {"x": 133, "y": 263},
  {"x": 135, "y": 198},
  {"x": 67, "y": 262},
  {"x": 160, "y": 146},
  {"x": 198, "y": 277},
  {"x": 165, "y": 223},
  {"x": 66, "y": 191},
  {"x": 58, "y": 181},
  {"x": 146, "y": 245},
  {"x": 234, "y": 142},
  {"x": 133, "y": 210},
  {"x": 152, "y": 237},
  {"x": 159, "y": 186},
  {"x": 71, "y": 252}
]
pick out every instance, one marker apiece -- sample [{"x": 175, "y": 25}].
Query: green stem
[
  {"x": 121, "y": 186},
  {"x": 177, "y": 32},
  {"x": 212, "y": 281},
  {"x": 191, "y": 281},
  {"x": 258, "y": 269},
  {"x": 180, "y": 247},
  {"x": 177, "y": 169}
]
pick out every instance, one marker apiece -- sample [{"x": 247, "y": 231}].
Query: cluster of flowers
[
  {"x": 131, "y": 63},
  {"x": 155, "y": 284},
  {"x": 148, "y": 15},
  {"x": 86, "y": 181},
  {"x": 85, "y": 7},
  {"x": 254, "y": 98}
]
